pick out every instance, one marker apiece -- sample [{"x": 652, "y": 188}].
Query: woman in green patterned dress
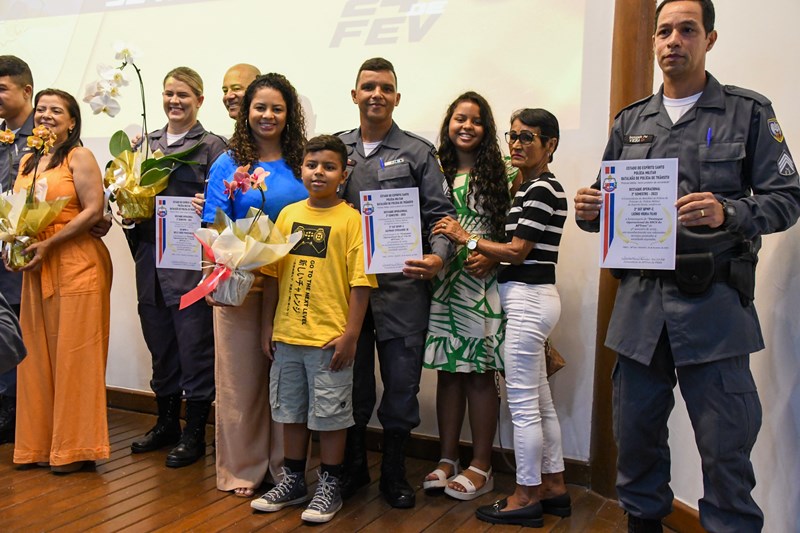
[{"x": 467, "y": 325}]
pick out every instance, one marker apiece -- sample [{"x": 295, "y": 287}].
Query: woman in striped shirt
[{"x": 532, "y": 304}]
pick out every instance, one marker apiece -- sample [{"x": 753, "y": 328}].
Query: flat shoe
[
  {"x": 557, "y": 506},
  {"x": 530, "y": 516},
  {"x": 441, "y": 480},
  {"x": 243, "y": 492},
  {"x": 67, "y": 468},
  {"x": 471, "y": 492}
]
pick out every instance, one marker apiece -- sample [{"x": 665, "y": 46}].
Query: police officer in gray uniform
[
  {"x": 181, "y": 342},
  {"x": 16, "y": 110},
  {"x": 736, "y": 182},
  {"x": 382, "y": 156}
]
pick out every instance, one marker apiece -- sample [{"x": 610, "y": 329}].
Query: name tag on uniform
[
  {"x": 639, "y": 139},
  {"x": 394, "y": 162}
]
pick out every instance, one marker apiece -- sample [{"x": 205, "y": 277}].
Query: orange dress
[{"x": 65, "y": 314}]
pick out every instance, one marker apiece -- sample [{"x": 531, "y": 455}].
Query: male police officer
[
  {"x": 16, "y": 110},
  {"x": 382, "y": 156},
  {"x": 736, "y": 182}
]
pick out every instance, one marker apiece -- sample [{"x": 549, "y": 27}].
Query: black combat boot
[
  {"x": 643, "y": 525},
  {"x": 394, "y": 486},
  {"x": 192, "y": 445},
  {"x": 8, "y": 418},
  {"x": 167, "y": 430},
  {"x": 355, "y": 473}
]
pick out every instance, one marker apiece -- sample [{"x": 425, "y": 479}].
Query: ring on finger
[{"x": 702, "y": 213}]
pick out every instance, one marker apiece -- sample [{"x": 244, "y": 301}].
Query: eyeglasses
[{"x": 525, "y": 137}]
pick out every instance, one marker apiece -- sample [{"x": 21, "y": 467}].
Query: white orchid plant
[{"x": 132, "y": 177}]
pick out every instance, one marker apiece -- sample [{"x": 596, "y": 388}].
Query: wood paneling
[{"x": 631, "y": 80}]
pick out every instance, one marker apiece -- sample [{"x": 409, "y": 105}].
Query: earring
[{"x": 70, "y": 130}]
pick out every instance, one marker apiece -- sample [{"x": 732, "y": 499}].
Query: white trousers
[{"x": 532, "y": 311}]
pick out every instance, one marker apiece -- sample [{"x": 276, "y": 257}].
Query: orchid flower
[
  {"x": 115, "y": 76},
  {"x": 104, "y": 103},
  {"x": 230, "y": 188},
  {"x": 126, "y": 53},
  {"x": 41, "y": 139},
  {"x": 243, "y": 181},
  {"x": 259, "y": 175},
  {"x": 7, "y": 137}
]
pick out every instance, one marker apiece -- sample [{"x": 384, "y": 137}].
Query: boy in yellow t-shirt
[{"x": 315, "y": 299}]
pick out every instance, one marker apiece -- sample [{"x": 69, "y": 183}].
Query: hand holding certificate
[
  {"x": 391, "y": 229},
  {"x": 638, "y": 217}
]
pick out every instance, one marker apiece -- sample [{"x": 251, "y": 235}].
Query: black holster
[{"x": 742, "y": 276}]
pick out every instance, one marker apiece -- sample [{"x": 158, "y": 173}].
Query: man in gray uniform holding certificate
[
  {"x": 382, "y": 156},
  {"x": 695, "y": 325}
]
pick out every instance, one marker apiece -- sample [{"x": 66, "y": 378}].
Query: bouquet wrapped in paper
[
  {"x": 132, "y": 181},
  {"x": 236, "y": 248},
  {"x": 22, "y": 219},
  {"x": 25, "y": 214}
]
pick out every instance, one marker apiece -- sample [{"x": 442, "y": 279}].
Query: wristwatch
[
  {"x": 728, "y": 213},
  {"x": 472, "y": 242}
]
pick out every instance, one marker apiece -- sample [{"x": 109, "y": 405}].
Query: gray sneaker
[
  {"x": 326, "y": 502},
  {"x": 290, "y": 491}
]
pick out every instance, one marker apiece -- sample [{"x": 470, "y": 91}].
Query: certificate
[
  {"x": 391, "y": 229},
  {"x": 176, "y": 222},
  {"x": 638, "y": 217}
]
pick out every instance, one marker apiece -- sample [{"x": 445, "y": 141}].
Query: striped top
[{"x": 537, "y": 214}]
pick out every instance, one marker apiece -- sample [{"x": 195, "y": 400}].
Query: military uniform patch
[
  {"x": 639, "y": 139},
  {"x": 786, "y": 166},
  {"x": 775, "y": 129}
]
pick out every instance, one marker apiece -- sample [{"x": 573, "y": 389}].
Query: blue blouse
[{"x": 282, "y": 189}]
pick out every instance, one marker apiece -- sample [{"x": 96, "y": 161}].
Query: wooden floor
[{"x": 137, "y": 493}]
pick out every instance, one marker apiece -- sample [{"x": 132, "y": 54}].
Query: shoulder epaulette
[
  {"x": 637, "y": 103},
  {"x": 220, "y": 137},
  {"x": 419, "y": 138},
  {"x": 344, "y": 132},
  {"x": 747, "y": 93}
]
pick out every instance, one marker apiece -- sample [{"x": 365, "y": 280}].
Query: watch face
[{"x": 472, "y": 243}]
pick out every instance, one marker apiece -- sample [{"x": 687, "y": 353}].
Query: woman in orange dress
[{"x": 65, "y": 309}]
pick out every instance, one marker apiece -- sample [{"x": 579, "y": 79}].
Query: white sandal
[
  {"x": 465, "y": 482},
  {"x": 441, "y": 480}
]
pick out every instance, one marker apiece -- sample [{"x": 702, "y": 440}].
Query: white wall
[{"x": 758, "y": 49}]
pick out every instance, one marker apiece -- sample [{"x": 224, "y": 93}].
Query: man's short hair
[
  {"x": 327, "y": 142},
  {"x": 707, "y": 6},
  {"x": 377, "y": 64},
  {"x": 16, "y": 69}
]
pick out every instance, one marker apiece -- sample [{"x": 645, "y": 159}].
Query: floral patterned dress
[{"x": 466, "y": 329}]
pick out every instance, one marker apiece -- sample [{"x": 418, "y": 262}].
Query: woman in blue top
[{"x": 270, "y": 134}]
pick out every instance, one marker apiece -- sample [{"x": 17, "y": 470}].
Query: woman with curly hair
[
  {"x": 466, "y": 328},
  {"x": 270, "y": 134}
]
